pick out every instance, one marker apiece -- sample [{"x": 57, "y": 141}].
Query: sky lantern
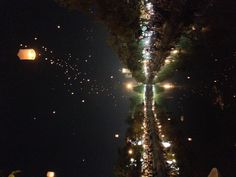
[
  {"x": 214, "y": 173},
  {"x": 27, "y": 54},
  {"x": 50, "y": 174}
]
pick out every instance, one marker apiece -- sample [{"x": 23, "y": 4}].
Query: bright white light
[
  {"x": 140, "y": 143},
  {"x": 175, "y": 51},
  {"x": 167, "y": 61},
  {"x": 147, "y": 41},
  {"x": 149, "y": 6},
  {"x": 166, "y": 144},
  {"x": 125, "y": 71},
  {"x": 132, "y": 160},
  {"x": 169, "y": 162}
]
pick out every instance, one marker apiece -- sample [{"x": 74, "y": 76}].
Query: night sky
[
  {"x": 62, "y": 111},
  {"x": 51, "y": 116}
]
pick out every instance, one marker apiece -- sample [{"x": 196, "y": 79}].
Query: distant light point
[
  {"x": 130, "y": 152},
  {"x": 190, "y": 139},
  {"x": 129, "y": 86}
]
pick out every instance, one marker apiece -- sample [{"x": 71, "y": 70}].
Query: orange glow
[
  {"x": 50, "y": 174},
  {"x": 168, "y": 86},
  {"x": 129, "y": 86},
  {"x": 27, "y": 54},
  {"x": 130, "y": 152}
]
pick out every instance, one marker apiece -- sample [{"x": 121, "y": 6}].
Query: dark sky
[{"x": 51, "y": 117}]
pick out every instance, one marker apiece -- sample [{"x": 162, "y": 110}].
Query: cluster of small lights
[
  {"x": 72, "y": 73},
  {"x": 147, "y": 156},
  {"x": 146, "y": 17},
  {"x": 147, "y": 13},
  {"x": 171, "y": 58},
  {"x": 137, "y": 142},
  {"x": 146, "y": 38},
  {"x": 173, "y": 169},
  {"x": 76, "y": 81}
]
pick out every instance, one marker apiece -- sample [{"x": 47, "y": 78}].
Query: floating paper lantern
[
  {"x": 214, "y": 173},
  {"x": 50, "y": 174},
  {"x": 27, "y": 54}
]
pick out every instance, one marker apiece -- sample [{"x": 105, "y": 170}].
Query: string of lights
[{"x": 149, "y": 163}]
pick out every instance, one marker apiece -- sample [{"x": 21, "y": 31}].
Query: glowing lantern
[
  {"x": 214, "y": 173},
  {"x": 50, "y": 174},
  {"x": 27, "y": 54}
]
